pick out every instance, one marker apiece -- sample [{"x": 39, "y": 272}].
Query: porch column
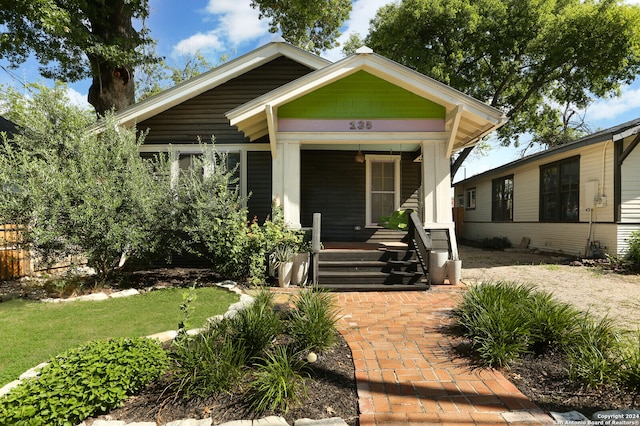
[
  {"x": 436, "y": 185},
  {"x": 286, "y": 181}
]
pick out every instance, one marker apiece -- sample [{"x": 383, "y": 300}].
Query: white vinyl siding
[
  {"x": 569, "y": 238},
  {"x": 630, "y": 193}
]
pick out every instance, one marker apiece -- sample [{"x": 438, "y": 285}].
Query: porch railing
[{"x": 420, "y": 242}]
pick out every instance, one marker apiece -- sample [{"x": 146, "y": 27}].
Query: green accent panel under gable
[{"x": 361, "y": 95}]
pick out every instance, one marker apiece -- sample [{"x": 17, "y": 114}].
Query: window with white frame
[
  {"x": 383, "y": 186},
  {"x": 470, "y": 199}
]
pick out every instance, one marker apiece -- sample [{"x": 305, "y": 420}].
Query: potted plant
[
  {"x": 301, "y": 261},
  {"x": 283, "y": 262}
]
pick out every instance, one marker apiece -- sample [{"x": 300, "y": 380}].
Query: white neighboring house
[{"x": 582, "y": 198}]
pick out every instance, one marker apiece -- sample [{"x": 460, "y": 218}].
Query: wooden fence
[{"x": 14, "y": 262}]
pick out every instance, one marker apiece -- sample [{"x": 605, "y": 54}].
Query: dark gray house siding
[
  {"x": 203, "y": 116},
  {"x": 333, "y": 184}
]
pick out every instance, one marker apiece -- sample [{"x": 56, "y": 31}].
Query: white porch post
[
  {"x": 286, "y": 181},
  {"x": 436, "y": 185}
]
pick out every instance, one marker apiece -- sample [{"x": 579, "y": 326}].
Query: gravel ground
[{"x": 591, "y": 288}]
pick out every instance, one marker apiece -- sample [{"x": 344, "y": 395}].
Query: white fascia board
[
  {"x": 626, "y": 133},
  {"x": 217, "y": 76}
]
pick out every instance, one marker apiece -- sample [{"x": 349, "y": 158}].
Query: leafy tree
[
  {"x": 314, "y": 25},
  {"x": 77, "y": 193},
  {"x": 155, "y": 77},
  {"x": 76, "y": 39},
  {"x": 521, "y": 56}
]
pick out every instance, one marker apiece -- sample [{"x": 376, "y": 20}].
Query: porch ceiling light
[{"x": 359, "y": 156}]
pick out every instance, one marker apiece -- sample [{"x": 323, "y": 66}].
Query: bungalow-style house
[
  {"x": 353, "y": 140},
  {"x": 581, "y": 199}
]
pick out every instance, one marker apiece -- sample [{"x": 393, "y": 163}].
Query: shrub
[
  {"x": 492, "y": 317},
  {"x": 77, "y": 193},
  {"x": 312, "y": 321},
  {"x": 633, "y": 252},
  {"x": 278, "y": 382},
  {"x": 83, "y": 382},
  {"x": 496, "y": 243},
  {"x": 553, "y": 323},
  {"x": 262, "y": 240}
]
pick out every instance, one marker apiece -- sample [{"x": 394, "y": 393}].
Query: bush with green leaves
[
  {"x": 312, "y": 321},
  {"x": 83, "y": 382},
  {"x": 278, "y": 382},
  {"x": 633, "y": 251},
  {"x": 76, "y": 192},
  {"x": 630, "y": 374},
  {"x": 262, "y": 240}
]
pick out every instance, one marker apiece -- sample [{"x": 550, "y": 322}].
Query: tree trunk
[{"x": 112, "y": 86}]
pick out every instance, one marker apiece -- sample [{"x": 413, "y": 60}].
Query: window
[
  {"x": 470, "y": 199},
  {"x": 559, "y": 191},
  {"x": 383, "y": 187},
  {"x": 502, "y": 199}
]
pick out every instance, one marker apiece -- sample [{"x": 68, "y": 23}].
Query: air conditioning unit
[{"x": 600, "y": 201}]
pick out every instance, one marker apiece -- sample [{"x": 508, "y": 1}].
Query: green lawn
[{"x": 33, "y": 332}]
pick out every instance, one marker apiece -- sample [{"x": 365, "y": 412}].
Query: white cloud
[
  {"x": 606, "y": 109},
  {"x": 77, "y": 98},
  {"x": 362, "y": 13},
  {"x": 234, "y": 22},
  {"x": 199, "y": 42},
  {"x": 238, "y": 21}
]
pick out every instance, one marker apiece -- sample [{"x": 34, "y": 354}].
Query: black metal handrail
[{"x": 421, "y": 242}]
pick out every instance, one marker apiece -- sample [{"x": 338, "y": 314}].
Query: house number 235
[{"x": 361, "y": 125}]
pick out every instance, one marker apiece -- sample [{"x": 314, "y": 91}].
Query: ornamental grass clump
[
  {"x": 595, "y": 353},
  {"x": 278, "y": 381},
  {"x": 258, "y": 352},
  {"x": 504, "y": 320},
  {"x": 84, "y": 382},
  {"x": 312, "y": 322}
]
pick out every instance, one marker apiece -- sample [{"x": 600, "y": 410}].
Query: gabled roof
[
  {"x": 191, "y": 88},
  {"x": 469, "y": 118},
  {"x": 614, "y": 133}
]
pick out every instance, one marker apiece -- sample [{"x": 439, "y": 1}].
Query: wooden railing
[{"x": 420, "y": 242}]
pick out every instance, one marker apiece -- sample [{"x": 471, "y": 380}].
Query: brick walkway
[{"x": 407, "y": 373}]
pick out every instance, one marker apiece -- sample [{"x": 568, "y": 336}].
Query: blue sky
[{"x": 231, "y": 27}]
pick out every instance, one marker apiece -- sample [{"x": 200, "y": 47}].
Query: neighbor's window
[
  {"x": 559, "y": 191},
  {"x": 470, "y": 199},
  {"x": 502, "y": 199}
]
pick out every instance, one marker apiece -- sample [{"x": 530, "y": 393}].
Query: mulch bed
[
  {"x": 331, "y": 390},
  {"x": 545, "y": 381}
]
